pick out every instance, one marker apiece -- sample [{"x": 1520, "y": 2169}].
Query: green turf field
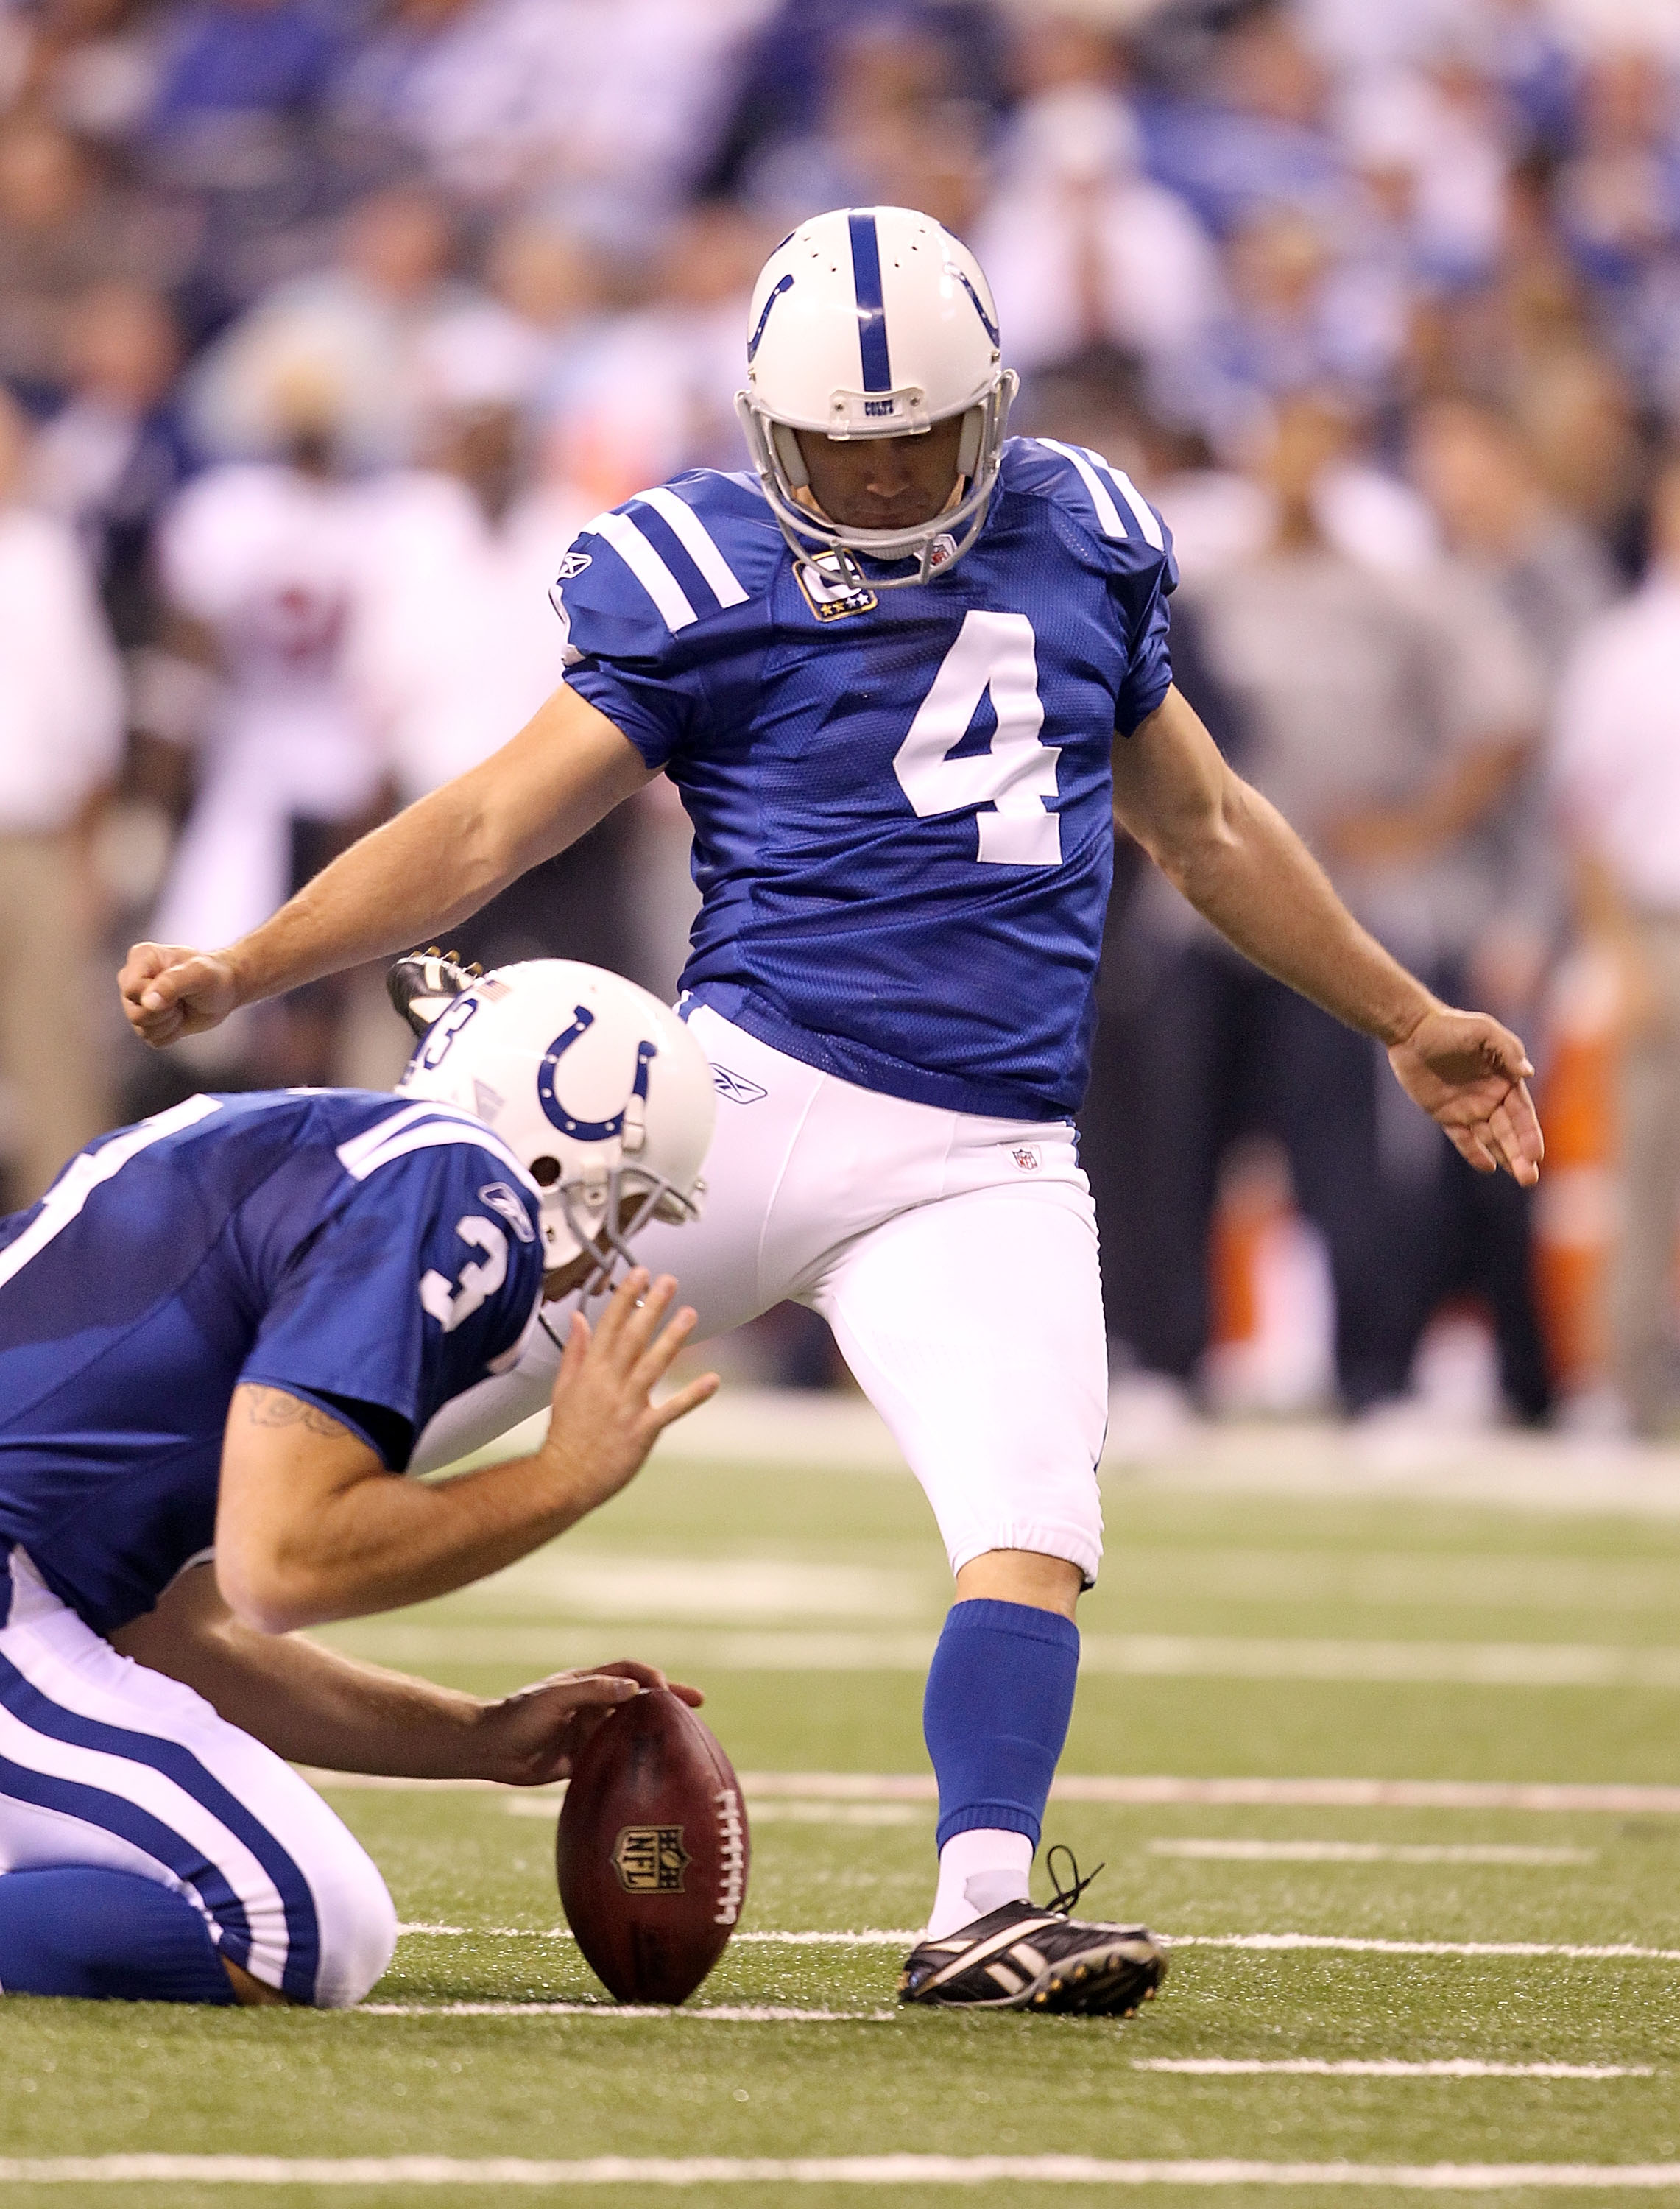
[{"x": 1236, "y": 1635}]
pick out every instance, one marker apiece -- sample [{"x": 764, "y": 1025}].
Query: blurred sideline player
[
  {"x": 906, "y": 678},
  {"x": 220, "y": 1331}
]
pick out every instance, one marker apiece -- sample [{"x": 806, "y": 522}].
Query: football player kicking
[
  {"x": 907, "y": 677},
  {"x": 221, "y": 1332}
]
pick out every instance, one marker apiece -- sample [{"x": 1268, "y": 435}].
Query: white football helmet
[
  {"x": 598, "y": 1089},
  {"x": 874, "y": 322}
]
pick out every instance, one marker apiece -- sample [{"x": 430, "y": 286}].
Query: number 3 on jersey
[
  {"x": 450, "y": 1301},
  {"x": 1016, "y": 774}
]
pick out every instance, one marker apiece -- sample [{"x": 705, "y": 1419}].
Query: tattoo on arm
[{"x": 273, "y": 1407}]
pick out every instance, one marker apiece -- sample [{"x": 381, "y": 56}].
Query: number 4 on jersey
[{"x": 1016, "y": 775}]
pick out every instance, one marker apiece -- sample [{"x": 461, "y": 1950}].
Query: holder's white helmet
[
  {"x": 598, "y": 1089},
  {"x": 874, "y": 322}
]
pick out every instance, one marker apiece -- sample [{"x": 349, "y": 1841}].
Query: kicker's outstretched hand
[
  {"x": 1471, "y": 1075},
  {"x": 169, "y": 991}
]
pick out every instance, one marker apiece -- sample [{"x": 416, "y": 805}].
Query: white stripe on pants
[{"x": 106, "y": 1762}]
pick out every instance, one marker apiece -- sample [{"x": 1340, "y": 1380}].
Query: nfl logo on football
[{"x": 650, "y": 1859}]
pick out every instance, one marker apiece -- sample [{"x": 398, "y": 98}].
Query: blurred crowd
[{"x": 324, "y": 324}]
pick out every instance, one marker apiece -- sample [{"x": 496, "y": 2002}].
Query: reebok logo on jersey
[
  {"x": 573, "y": 564},
  {"x": 502, "y": 1200},
  {"x": 735, "y": 1087},
  {"x": 828, "y": 593}
]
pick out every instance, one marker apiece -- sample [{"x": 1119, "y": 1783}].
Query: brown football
[{"x": 652, "y": 1849}]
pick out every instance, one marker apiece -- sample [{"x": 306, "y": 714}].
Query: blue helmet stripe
[
  {"x": 757, "y": 337},
  {"x": 871, "y": 307},
  {"x": 991, "y": 327}
]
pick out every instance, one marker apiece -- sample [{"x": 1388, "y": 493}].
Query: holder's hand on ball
[
  {"x": 535, "y": 1736},
  {"x": 169, "y": 991},
  {"x": 604, "y": 1421}
]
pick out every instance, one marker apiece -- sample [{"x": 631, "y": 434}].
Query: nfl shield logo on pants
[{"x": 1028, "y": 1157}]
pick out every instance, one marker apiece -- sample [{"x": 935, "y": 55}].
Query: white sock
[{"x": 978, "y": 1871}]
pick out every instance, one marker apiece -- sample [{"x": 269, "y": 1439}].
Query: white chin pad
[{"x": 786, "y": 442}]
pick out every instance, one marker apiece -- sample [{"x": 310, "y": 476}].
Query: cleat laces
[{"x": 1067, "y": 1890}]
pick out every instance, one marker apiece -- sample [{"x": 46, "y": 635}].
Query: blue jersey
[
  {"x": 373, "y": 1257},
  {"x": 900, "y": 799}
]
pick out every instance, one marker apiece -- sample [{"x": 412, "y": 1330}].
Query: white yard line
[
  {"x": 703, "y": 2014},
  {"x": 1140, "y": 1790},
  {"x": 1349, "y": 1944},
  {"x": 893, "y": 2171},
  {"x": 1131, "y": 1655},
  {"x": 1237, "y": 2067},
  {"x": 1361, "y": 1852},
  {"x": 1346, "y": 1944},
  {"x": 774, "y": 1812}
]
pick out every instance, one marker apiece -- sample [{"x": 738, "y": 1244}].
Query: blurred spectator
[
  {"x": 1581, "y": 424},
  {"x": 1298, "y": 321},
  {"x": 891, "y": 132},
  {"x": 1619, "y": 200},
  {"x": 114, "y": 455},
  {"x": 530, "y": 336},
  {"x": 454, "y": 643},
  {"x": 1262, "y": 140},
  {"x": 657, "y": 394},
  {"x": 237, "y": 72},
  {"x": 456, "y": 646},
  {"x": 786, "y": 82},
  {"x": 360, "y": 324},
  {"x": 1552, "y": 577},
  {"x": 609, "y": 107},
  {"x": 1496, "y": 515},
  {"x": 262, "y": 564},
  {"x": 61, "y": 230},
  {"x": 1617, "y": 770},
  {"x": 61, "y": 726},
  {"x": 1433, "y": 137},
  {"x": 92, "y": 65},
  {"x": 1081, "y": 247},
  {"x": 1387, "y": 717}
]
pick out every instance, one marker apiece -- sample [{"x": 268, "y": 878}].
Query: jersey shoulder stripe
[
  {"x": 65, "y": 1199},
  {"x": 419, "y": 1128},
  {"x": 666, "y": 563},
  {"x": 697, "y": 542},
  {"x": 1103, "y": 484},
  {"x": 641, "y": 556}
]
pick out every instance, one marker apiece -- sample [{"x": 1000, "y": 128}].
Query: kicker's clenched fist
[{"x": 169, "y": 991}]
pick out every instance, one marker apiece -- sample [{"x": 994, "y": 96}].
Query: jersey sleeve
[
  {"x": 1141, "y": 594},
  {"x": 628, "y": 595},
  {"x": 425, "y": 1281},
  {"x": 1118, "y": 530}
]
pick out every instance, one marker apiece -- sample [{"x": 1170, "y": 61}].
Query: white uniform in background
[
  {"x": 455, "y": 644},
  {"x": 270, "y": 563}
]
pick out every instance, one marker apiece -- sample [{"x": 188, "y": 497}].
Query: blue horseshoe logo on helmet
[{"x": 585, "y": 1131}]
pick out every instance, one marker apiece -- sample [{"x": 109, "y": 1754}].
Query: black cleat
[
  {"x": 423, "y": 985},
  {"x": 1021, "y": 1957}
]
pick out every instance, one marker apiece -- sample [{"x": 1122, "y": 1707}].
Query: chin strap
[{"x": 422, "y": 985}]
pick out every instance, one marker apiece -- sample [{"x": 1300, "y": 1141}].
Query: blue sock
[
  {"x": 106, "y": 1936},
  {"x": 1000, "y": 1694}
]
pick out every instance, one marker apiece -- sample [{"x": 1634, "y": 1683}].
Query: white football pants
[
  {"x": 956, "y": 1259},
  {"x": 106, "y": 1762}
]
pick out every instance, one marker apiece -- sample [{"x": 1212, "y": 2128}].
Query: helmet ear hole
[
  {"x": 545, "y": 1171},
  {"x": 787, "y": 452},
  {"x": 968, "y": 449}
]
